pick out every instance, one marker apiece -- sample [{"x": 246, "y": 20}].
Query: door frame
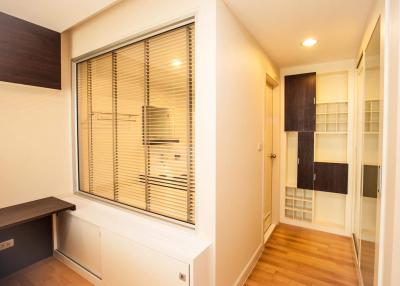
[{"x": 275, "y": 184}]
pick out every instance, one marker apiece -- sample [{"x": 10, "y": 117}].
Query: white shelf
[
  {"x": 299, "y": 204},
  {"x": 330, "y": 133},
  {"x": 331, "y": 101},
  {"x": 371, "y": 120},
  {"x": 332, "y": 117}
]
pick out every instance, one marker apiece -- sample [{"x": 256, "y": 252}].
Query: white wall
[
  {"x": 35, "y": 160},
  {"x": 241, "y": 77}
]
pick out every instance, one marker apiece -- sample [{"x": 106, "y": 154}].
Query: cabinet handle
[{"x": 182, "y": 277}]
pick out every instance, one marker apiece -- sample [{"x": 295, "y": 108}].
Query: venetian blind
[{"x": 136, "y": 124}]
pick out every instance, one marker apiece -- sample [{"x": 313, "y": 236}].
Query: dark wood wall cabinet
[
  {"x": 305, "y": 162},
  {"x": 29, "y": 54},
  {"x": 331, "y": 177},
  {"x": 300, "y": 92}
]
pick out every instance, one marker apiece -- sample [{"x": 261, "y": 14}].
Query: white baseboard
[
  {"x": 268, "y": 233},
  {"x": 77, "y": 268},
  {"x": 356, "y": 263},
  {"x": 316, "y": 226},
  {"x": 249, "y": 267}
]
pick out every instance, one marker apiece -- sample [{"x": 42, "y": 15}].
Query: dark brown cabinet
[
  {"x": 29, "y": 54},
  {"x": 305, "y": 162},
  {"x": 300, "y": 91},
  {"x": 370, "y": 181},
  {"x": 331, "y": 177}
]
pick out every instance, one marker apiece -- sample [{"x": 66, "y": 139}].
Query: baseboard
[
  {"x": 77, "y": 268},
  {"x": 315, "y": 226},
  {"x": 268, "y": 233},
  {"x": 249, "y": 267},
  {"x": 356, "y": 263}
]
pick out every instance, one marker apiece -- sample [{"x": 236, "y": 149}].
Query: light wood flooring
[
  {"x": 47, "y": 272},
  {"x": 296, "y": 256}
]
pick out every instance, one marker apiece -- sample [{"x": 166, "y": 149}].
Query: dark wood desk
[{"x": 30, "y": 227}]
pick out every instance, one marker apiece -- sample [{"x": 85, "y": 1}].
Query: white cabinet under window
[
  {"x": 130, "y": 263},
  {"x": 124, "y": 248}
]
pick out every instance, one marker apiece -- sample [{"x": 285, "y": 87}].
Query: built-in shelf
[
  {"x": 332, "y": 117},
  {"x": 299, "y": 204},
  {"x": 371, "y": 116}
]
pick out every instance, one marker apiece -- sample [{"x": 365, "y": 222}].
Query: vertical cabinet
[
  {"x": 305, "y": 161},
  {"x": 300, "y": 91}
]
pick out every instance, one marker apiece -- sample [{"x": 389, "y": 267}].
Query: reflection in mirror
[{"x": 370, "y": 157}]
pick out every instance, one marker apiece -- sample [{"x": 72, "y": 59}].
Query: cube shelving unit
[
  {"x": 371, "y": 116},
  {"x": 332, "y": 117},
  {"x": 299, "y": 204}
]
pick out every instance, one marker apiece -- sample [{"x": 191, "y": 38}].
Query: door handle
[{"x": 272, "y": 156}]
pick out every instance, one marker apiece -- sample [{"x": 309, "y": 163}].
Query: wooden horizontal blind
[{"x": 136, "y": 125}]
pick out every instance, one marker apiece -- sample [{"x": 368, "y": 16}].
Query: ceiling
[
  {"x": 280, "y": 26},
  {"x": 57, "y": 15}
]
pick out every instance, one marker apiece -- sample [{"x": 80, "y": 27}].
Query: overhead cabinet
[
  {"x": 29, "y": 54},
  {"x": 300, "y": 92},
  {"x": 331, "y": 177}
]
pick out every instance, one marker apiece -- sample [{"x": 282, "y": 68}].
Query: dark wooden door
[
  {"x": 331, "y": 177},
  {"x": 305, "y": 154},
  {"x": 300, "y": 91}
]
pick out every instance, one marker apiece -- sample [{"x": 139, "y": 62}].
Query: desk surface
[{"x": 26, "y": 212}]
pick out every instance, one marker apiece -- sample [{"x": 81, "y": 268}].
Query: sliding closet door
[
  {"x": 358, "y": 154},
  {"x": 371, "y": 160}
]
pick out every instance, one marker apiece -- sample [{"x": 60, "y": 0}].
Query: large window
[{"x": 136, "y": 124}]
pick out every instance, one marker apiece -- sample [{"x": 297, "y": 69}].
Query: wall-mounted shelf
[
  {"x": 299, "y": 204},
  {"x": 332, "y": 117}
]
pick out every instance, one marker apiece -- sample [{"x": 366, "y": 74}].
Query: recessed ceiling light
[
  {"x": 176, "y": 62},
  {"x": 309, "y": 42}
]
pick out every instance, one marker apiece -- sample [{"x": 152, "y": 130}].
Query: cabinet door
[
  {"x": 300, "y": 93},
  {"x": 80, "y": 241},
  {"x": 128, "y": 263},
  {"x": 331, "y": 177},
  {"x": 305, "y": 167},
  {"x": 370, "y": 181}
]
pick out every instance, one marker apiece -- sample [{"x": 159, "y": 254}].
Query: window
[{"x": 136, "y": 124}]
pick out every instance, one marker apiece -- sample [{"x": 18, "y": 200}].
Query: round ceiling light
[{"x": 309, "y": 42}]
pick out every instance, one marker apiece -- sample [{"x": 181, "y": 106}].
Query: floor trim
[
  {"x": 268, "y": 233},
  {"x": 77, "y": 268},
  {"x": 250, "y": 266},
  {"x": 356, "y": 262},
  {"x": 254, "y": 259}
]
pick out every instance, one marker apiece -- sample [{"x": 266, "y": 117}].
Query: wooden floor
[
  {"x": 48, "y": 272},
  {"x": 297, "y": 256}
]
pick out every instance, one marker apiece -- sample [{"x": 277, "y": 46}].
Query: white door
[{"x": 268, "y": 157}]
